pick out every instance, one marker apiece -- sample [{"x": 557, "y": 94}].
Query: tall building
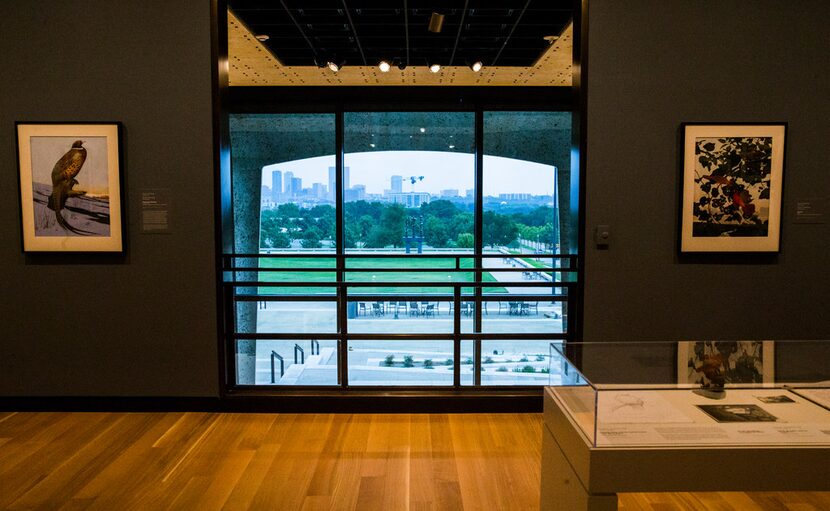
[
  {"x": 410, "y": 199},
  {"x": 289, "y": 192},
  {"x": 319, "y": 190},
  {"x": 450, "y": 192},
  {"x": 296, "y": 186},
  {"x": 397, "y": 184},
  {"x": 333, "y": 181},
  {"x": 276, "y": 185}
]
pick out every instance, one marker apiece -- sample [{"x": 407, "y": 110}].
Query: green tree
[
  {"x": 435, "y": 232},
  {"x": 390, "y": 229},
  {"x": 465, "y": 240},
  {"x": 311, "y": 238},
  {"x": 499, "y": 229}
]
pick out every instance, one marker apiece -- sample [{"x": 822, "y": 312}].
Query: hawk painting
[{"x": 63, "y": 182}]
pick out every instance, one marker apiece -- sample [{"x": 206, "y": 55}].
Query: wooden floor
[{"x": 202, "y": 461}]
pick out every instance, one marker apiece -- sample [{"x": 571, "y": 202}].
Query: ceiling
[{"x": 519, "y": 42}]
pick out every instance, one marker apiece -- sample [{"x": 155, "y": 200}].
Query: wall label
[
  {"x": 155, "y": 211},
  {"x": 810, "y": 211}
]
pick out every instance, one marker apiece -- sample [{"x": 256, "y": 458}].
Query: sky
[
  {"x": 441, "y": 170},
  {"x": 46, "y": 151}
]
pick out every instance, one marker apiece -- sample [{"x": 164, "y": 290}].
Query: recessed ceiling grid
[
  {"x": 363, "y": 32},
  {"x": 252, "y": 63}
]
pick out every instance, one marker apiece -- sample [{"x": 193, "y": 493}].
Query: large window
[{"x": 431, "y": 252}]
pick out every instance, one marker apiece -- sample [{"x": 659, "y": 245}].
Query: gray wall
[
  {"x": 145, "y": 324},
  {"x": 652, "y": 65}
]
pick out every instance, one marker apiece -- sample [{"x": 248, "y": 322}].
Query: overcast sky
[{"x": 441, "y": 170}]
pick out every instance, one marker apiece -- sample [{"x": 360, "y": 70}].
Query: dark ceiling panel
[{"x": 304, "y": 31}]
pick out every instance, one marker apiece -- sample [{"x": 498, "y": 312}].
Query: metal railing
[
  {"x": 276, "y": 356},
  {"x": 345, "y": 279}
]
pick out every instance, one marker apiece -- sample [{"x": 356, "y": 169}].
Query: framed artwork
[
  {"x": 733, "y": 362},
  {"x": 70, "y": 187},
  {"x": 732, "y": 187}
]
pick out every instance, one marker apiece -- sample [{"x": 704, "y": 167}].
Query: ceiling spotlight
[
  {"x": 372, "y": 145},
  {"x": 423, "y": 130},
  {"x": 334, "y": 66},
  {"x": 262, "y": 37},
  {"x": 436, "y": 22},
  {"x": 476, "y": 66},
  {"x": 452, "y": 146},
  {"x": 434, "y": 68},
  {"x": 384, "y": 66}
]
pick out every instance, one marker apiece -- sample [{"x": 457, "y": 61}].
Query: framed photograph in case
[{"x": 737, "y": 362}]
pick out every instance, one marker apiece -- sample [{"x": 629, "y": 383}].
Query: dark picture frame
[
  {"x": 732, "y": 187},
  {"x": 71, "y": 189}
]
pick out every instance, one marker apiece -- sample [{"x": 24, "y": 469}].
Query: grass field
[{"x": 360, "y": 270}]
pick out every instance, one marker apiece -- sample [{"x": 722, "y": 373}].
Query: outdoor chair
[
  {"x": 413, "y": 309},
  {"x": 535, "y": 307},
  {"x": 503, "y": 305},
  {"x": 377, "y": 309},
  {"x": 430, "y": 310},
  {"x": 361, "y": 307},
  {"x": 514, "y": 309},
  {"x": 525, "y": 309}
]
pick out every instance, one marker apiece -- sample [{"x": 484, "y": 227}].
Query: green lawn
[{"x": 360, "y": 270}]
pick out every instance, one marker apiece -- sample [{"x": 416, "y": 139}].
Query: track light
[
  {"x": 384, "y": 66},
  {"x": 436, "y": 22},
  {"x": 476, "y": 66},
  {"x": 434, "y": 68},
  {"x": 334, "y": 66}
]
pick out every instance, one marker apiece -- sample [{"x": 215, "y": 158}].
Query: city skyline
[{"x": 379, "y": 173}]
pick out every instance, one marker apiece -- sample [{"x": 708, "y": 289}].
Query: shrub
[
  {"x": 545, "y": 370},
  {"x": 389, "y": 360},
  {"x": 528, "y": 369},
  {"x": 540, "y": 358},
  {"x": 468, "y": 360},
  {"x": 448, "y": 362},
  {"x": 428, "y": 364},
  {"x": 488, "y": 360},
  {"x": 502, "y": 369},
  {"x": 523, "y": 359},
  {"x": 408, "y": 361}
]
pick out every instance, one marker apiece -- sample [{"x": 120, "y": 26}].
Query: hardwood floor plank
[{"x": 134, "y": 461}]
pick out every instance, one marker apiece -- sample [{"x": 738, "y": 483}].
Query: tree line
[{"x": 440, "y": 223}]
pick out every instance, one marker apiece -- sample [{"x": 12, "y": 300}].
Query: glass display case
[{"x": 695, "y": 393}]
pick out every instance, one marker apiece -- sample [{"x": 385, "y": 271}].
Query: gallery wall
[
  {"x": 143, "y": 324},
  {"x": 652, "y": 65}
]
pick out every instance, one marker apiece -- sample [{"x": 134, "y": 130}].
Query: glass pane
[
  {"x": 301, "y": 362},
  {"x": 400, "y": 363},
  {"x": 294, "y": 317},
  {"x": 522, "y": 316},
  {"x": 515, "y": 362},
  {"x": 285, "y": 161},
  {"x": 526, "y": 185},
  {"x": 409, "y": 181},
  {"x": 403, "y": 316}
]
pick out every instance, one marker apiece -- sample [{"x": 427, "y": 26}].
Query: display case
[
  {"x": 684, "y": 416},
  {"x": 697, "y": 392}
]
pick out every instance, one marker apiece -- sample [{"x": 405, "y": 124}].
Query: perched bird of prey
[{"x": 63, "y": 182}]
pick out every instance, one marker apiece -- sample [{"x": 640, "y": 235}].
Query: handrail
[
  {"x": 275, "y": 355},
  {"x": 299, "y": 348}
]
